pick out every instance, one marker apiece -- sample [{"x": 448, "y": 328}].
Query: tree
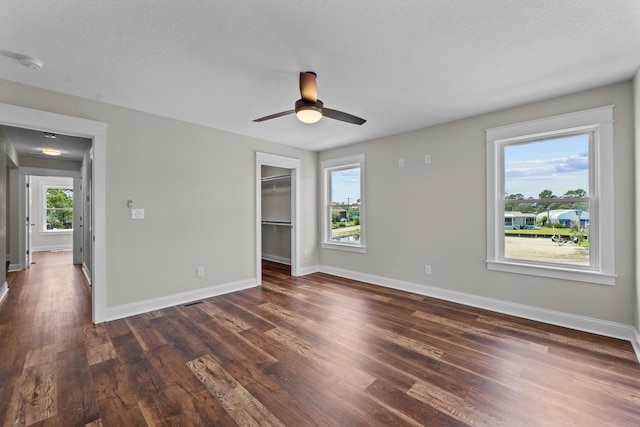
[
  {"x": 516, "y": 196},
  {"x": 59, "y": 209},
  {"x": 546, "y": 194},
  {"x": 574, "y": 194}
]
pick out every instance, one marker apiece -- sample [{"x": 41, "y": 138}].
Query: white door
[{"x": 28, "y": 223}]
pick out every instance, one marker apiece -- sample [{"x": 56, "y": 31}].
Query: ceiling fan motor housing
[{"x": 301, "y": 104}]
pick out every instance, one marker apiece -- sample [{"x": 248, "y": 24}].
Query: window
[
  {"x": 550, "y": 197},
  {"x": 343, "y": 225},
  {"x": 57, "y": 203}
]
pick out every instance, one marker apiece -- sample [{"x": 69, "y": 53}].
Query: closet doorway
[{"x": 277, "y": 199}]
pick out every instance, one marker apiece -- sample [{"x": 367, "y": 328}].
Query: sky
[
  {"x": 345, "y": 185},
  {"x": 558, "y": 165}
]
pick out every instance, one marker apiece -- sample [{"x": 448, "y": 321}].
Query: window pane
[
  {"x": 345, "y": 205},
  {"x": 554, "y": 235},
  {"x": 59, "y": 209},
  {"x": 554, "y": 227},
  {"x": 553, "y": 168}
]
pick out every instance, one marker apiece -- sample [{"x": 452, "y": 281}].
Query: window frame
[
  {"x": 599, "y": 121},
  {"x": 44, "y": 187},
  {"x": 326, "y": 167}
]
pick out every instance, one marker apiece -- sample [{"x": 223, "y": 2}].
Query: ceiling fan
[{"x": 309, "y": 109}]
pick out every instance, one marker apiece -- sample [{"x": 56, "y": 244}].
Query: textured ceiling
[{"x": 400, "y": 65}]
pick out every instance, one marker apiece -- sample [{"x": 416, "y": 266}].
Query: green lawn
[{"x": 543, "y": 231}]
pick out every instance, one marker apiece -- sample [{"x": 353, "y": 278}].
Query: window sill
[
  {"x": 553, "y": 272},
  {"x": 344, "y": 247}
]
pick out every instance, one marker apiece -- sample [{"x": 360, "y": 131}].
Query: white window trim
[
  {"x": 600, "y": 120},
  {"x": 327, "y": 166},
  {"x": 44, "y": 186}
]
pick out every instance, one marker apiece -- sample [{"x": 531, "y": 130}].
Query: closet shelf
[
  {"x": 276, "y": 222},
  {"x": 275, "y": 178}
]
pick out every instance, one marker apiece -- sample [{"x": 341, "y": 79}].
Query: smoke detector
[
  {"x": 28, "y": 61},
  {"x": 32, "y": 63}
]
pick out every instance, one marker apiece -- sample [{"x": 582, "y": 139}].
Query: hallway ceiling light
[
  {"x": 50, "y": 135},
  {"x": 51, "y": 151}
]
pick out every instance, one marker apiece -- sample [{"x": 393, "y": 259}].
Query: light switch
[{"x": 137, "y": 213}]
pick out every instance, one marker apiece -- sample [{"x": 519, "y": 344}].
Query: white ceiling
[{"x": 400, "y": 65}]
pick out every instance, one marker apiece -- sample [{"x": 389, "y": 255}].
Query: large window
[
  {"x": 550, "y": 197},
  {"x": 57, "y": 208},
  {"x": 343, "y": 203}
]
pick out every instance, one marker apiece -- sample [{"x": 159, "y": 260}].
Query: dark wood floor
[{"x": 316, "y": 350}]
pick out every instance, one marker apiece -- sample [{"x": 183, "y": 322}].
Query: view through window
[
  {"x": 58, "y": 209},
  {"x": 345, "y": 204},
  {"x": 547, "y": 201}
]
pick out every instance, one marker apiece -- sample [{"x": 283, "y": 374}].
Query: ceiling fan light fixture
[
  {"x": 51, "y": 151},
  {"x": 308, "y": 114}
]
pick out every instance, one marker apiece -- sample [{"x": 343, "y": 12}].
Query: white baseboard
[
  {"x": 308, "y": 270},
  {"x": 139, "y": 307},
  {"x": 4, "y": 290},
  {"x": 568, "y": 320},
  {"x": 635, "y": 342},
  {"x": 52, "y": 248},
  {"x": 15, "y": 267},
  {"x": 276, "y": 258},
  {"x": 85, "y": 271}
]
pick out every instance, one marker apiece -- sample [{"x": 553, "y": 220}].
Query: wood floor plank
[
  {"x": 34, "y": 398},
  {"x": 97, "y": 344},
  {"x": 116, "y": 397},
  {"x": 76, "y": 399},
  {"x": 245, "y": 409},
  {"x": 137, "y": 367}
]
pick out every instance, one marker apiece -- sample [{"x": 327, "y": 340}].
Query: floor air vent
[{"x": 192, "y": 303}]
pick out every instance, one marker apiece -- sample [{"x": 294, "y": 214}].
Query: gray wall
[{"x": 436, "y": 214}]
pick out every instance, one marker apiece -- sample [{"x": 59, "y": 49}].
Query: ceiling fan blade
[
  {"x": 308, "y": 86},
  {"x": 344, "y": 117},
  {"x": 274, "y": 116}
]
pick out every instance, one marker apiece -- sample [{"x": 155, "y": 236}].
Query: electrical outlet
[
  {"x": 427, "y": 269},
  {"x": 200, "y": 272},
  {"x": 400, "y": 163},
  {"x": 137, "y": 213}
]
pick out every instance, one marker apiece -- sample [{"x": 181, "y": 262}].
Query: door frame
[
  {"x": 266, "y": 159},
  {"x": 12, "y": 115},
  {"x": 27, "y": 218}
]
